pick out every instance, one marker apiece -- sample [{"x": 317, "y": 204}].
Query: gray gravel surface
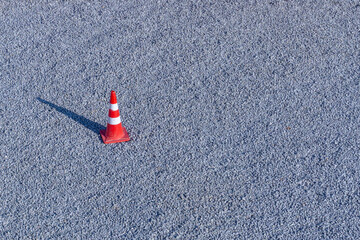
[{"x": 244, "y": 118}]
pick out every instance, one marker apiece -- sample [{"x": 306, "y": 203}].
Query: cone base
[{"x": 108, "y": 140}]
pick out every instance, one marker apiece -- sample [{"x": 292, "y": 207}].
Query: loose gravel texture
[{"x": 244, "y": 118}]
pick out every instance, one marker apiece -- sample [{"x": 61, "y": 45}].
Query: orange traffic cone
[{"x": 114, "y": 132}]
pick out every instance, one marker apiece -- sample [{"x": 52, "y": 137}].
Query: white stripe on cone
[
  {"x": 114, "y": 121},
  {"x": 114, "y": 107}
]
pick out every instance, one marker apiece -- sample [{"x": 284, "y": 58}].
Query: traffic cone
[{"x": 114, "y": 131}]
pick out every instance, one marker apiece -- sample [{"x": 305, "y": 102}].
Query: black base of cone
[{"x": 108, "y": 140}]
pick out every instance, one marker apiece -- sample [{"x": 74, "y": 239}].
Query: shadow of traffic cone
[{"x": 114, "y": 131}]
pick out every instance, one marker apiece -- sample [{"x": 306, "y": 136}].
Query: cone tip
[{"x": 113, "y": 97}]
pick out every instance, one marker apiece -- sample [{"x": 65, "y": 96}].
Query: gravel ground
[{"x": 244, "y": 118}]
